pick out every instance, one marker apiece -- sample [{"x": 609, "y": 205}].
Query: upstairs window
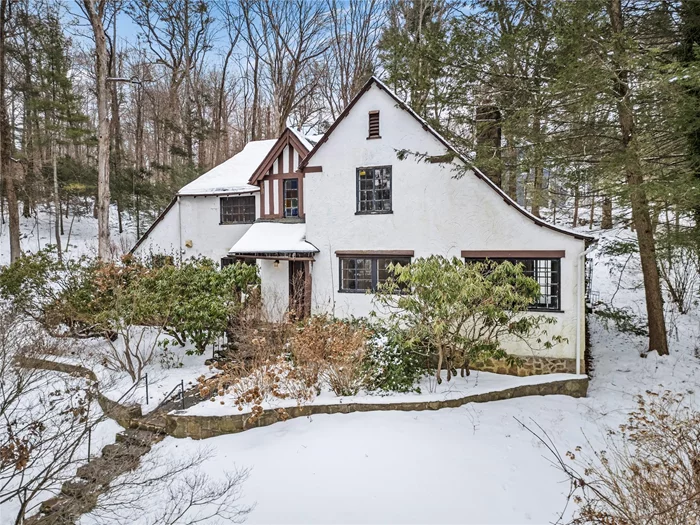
[
  {"x": 291, "y": 197},
  {"x": 373, "y": 125},
  {"x": 374, "y": 190},
  {"x": 546, "y": 272},
  {"x": 362, "y": 274},
  {"x": 236, "y": 210}
]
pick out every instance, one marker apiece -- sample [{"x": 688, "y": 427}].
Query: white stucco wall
[
  {"x": 433, "y": 213},
  {"x": 195, "y": 219},
  {"x": 274, "y": 282}
]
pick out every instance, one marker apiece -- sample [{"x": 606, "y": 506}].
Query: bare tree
[
  {"x": 96, "y": 11},
  {"x": 289, "y": 37},
  {"x": 45, "y": 419},
  {"x": 352, "y": 55},
  {"x": 5, "y": 137}
]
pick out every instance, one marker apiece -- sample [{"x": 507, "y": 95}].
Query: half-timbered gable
[{"x": 281, "y": 184}]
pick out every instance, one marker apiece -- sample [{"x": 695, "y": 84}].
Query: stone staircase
[{"x": 79, "y": 495}]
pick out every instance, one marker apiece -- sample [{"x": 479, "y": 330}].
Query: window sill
[
  {"x": 374, "y": 212},
  {"x": 235, "y": 223},
  {"x": 549, "y": 310},
  {"x": 356, "y": 291}
]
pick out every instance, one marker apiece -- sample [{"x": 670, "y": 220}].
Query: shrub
[
  {"x": 649, "y": 472},
  {"x": 623, "y": 319},
  {"x": 56, "y": 294},
  {"x": 460, "y": 312},
  {"x": 202, "y": 299},
  {"x": 391, "y": 365},
  {"x": 331, "y": 351}
]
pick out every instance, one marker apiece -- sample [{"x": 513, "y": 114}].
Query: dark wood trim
[
  {"x": 374, "y": 253},
  {"x": 400, "y": 103},
  {"x": 291, "y": 159},
  {"x": 155, "y": 223},
  {"x": 286, "y": 138},
  {"x": 312, "y": 169},
  {"x": 515, "y": 254}
]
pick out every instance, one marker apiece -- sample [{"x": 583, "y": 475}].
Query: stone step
[
  {"x": 138, "y": 437},
  {"x": 117, "y": 450},
  {"x": 78, "y": 488},
  {"x": 63, "y": 510},
  {"x": 103, "y": 470}
]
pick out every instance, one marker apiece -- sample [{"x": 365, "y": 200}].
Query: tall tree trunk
[
  {"x": 577, "y": 199},
  {"x": 56, "y": 204},
  {"x": 95, "y": 10},
  {"x": 6, "y": 144},
  {"x": 638, "y": 197},
  {"x": 606, "y": 223}
]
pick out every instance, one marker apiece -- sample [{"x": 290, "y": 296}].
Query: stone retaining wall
[
  {"x": 202, "y": 427},
  {"x": 529, "y": 366},
  {"x": 122, "y": 414}
]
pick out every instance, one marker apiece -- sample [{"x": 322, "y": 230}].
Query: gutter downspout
[
  {"x": 580, "y": 319},
  {"x": 179, "y": 229}
]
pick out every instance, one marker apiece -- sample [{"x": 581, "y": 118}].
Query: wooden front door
[{"x": 299, "y": 288}]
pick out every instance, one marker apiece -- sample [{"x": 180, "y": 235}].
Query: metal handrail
[
  {"x": 166, "y": 399},
  {"x": 145, "y": 377}
]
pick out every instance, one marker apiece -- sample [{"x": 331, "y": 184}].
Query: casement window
[
  {"x": 373, "y": 132},
  {"x": 236, "y": 210},
  {"x": 362, "y": 274},
  {"x": 374, "y": 189},
  {"x": 290, "y": 190},
  {"x": 547, "y": 272}
]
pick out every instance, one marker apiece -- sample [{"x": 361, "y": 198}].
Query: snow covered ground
[
  {"x": 473, "y": 464},
  {"x": 80, "y": 234}
]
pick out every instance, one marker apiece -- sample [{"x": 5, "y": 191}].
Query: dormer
[{"x": 281, "y": 184}]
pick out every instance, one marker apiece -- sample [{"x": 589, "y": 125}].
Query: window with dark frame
[
  {"x": 547, "y": 272},
  {"x": 290, "y": 190},
  {"x": 373, "y": 125},
  {"x": 374, "y": 189},
  {"x": 361, "y": 274},
  {"x": 237, "y": 209}
]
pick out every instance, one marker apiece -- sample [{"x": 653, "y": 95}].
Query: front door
[{"x": 298, "y": 300}]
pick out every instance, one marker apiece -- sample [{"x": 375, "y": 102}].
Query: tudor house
[{"x": 324, "y": 217}]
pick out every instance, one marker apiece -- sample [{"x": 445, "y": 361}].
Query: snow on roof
[
  {"x": 232, "y": 175},
  {"x": 306, "y": 140},
  {"x": 274, "y": 237}
]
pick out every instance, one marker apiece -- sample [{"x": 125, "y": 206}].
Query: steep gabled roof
[
  {"x": 231, "y": 176},
  {"x": 401, "y": 104},
  {"x": 288, "y": 137}
]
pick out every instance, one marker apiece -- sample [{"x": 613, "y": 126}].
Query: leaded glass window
[
  {"x": 374, "y": 190},
  {"x": 291, "y": 197},
  {"x": 237, "y": 209}
]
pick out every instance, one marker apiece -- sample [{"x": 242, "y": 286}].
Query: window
[
  {"x": 237, "y": 209},
  {"x": 374, "y": 190},
  {"x": 360, "y": 274},
  {"x": 373, "y": 125},
  {"x": 546, "y": 272},
  {"x": 291, "y": 197}
]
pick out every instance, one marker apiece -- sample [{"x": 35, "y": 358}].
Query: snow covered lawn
[{"x": 473, "y": 464}]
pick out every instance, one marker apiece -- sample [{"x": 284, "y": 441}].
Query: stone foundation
[
  {"x": 202, "y": 427},
  {"x": 529, "y": 366}
]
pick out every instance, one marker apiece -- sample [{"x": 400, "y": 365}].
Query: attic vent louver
[{"x": 373, "y": 125}]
